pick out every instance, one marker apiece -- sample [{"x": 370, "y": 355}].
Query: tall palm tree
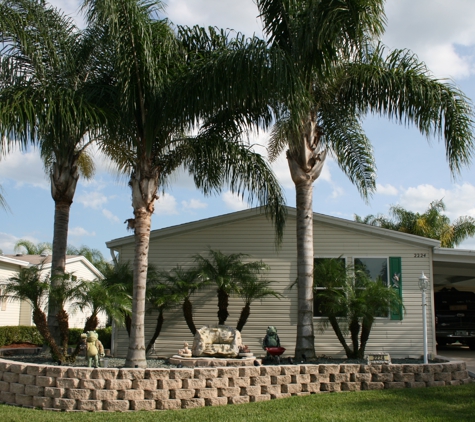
[
  {"x": 149, "y": 140},
  {"x": 49, "y": 97},
  {"x": 432, "y": 223},
  {"x": 342, "y": 73}
]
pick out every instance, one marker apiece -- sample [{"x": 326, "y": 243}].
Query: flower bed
[{"x": 104, "y": 389}]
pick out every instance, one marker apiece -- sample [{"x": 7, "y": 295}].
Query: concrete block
[
  {"x": 170, "y": 404},
  {"x": 238, "y": 399},
  {"x": 289, "y": 370},
  {"x": 78, "y": 394},
  {"x": 36, "y": 369},
  {"x": 90, "y": 405},
  {"x": 5, "y": 365},
  {"x": 24, "y": 400},
  {"x": 10, "y": 377},
  {"x": 320, "y": 378},
  {"x": 372, "y": 385},
  {"x": 271, "y": 389},
  {"x": 169, "y": 384},
  {"x": 281, "y": 396},
  {"x": 156, "y": 394},
  {"x": 452, "y": 382},
  {"x": 425, "y": 377},
  {"x": 33, "y": 390},
  {"x": 350, "y": 368},
  {"x": 104, "y": 374},
  {"x": 228, "y": 391},
  {"x": 239, "y": 382},
  {"x": 361, "y": 377},
  {"x": 433, "y": 368},
  {"x": 56, "y": 371},
  {"x": 80, "y": 373},
  {"x": 67, "y": 382},
  {"x": 228, "y": 372},
  {"x": 393, "y": 369},
  {"x": 157, "y": 374},
  {"x": 383, "y": 377},
  {"x": 330, "y": 386},
  {"x": 187, "y": 393},
  {"x": 259, "y": 397},
  {"x": 118, "y": 384},
  {"x": 45, "y": 381},
  {"x": 179, "y": 374},
  {"x": 18, "y": 368},
  {"x": 42, "y": 402},
  {"x": 27, "y": 379},
  {"x": 309, "y": 369},
  {"x": 4, "y": 386},
  {"x": 341, "y": 377},
  {"x": 193, "y": 383},
  {"x": 205, "y": 373},
  {"x": 329, "y": 369},
  {"x": 249, "y": 371},
  {"x": 314, "y": 387},
  {"x": 414, "y": 384},
  {"x": 300, "y": 379},
  {"x": 270, "y": 370},
  {"x": 65, "y": 404},
  {"x": 217, "y": 383},
  {"x": 143, "y": 405},
  {"x": 144, "y": 384},
  {"x": 17, "y": 388},
  {"x": 260, "y": 380},
  {"x": 350, "y": 386},
  {"x": 250, "y": 390},
  {"x": 131, "y": 374},
  {"x": 131, "y": 395},
  {"x": 206, "y": 393},
  {"x": 55, "y": 393},
  {"x": 459, "y": 375},
  {"x": 104, "y": 394},
  {"x": 7, "y": 397},
  {"x": 401, "y": 377},
  {"x": 192, "y": 403},
  {"x": 216, "y": 401},
  {"x": 292, "y": 388},
  {"x": 412, "y": 369},
  {"x": 280, "y": 379},
  {"x": 92, "y": 384},
  {"x": 115, "y": 405}
]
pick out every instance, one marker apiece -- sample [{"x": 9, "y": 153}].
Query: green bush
[
  {"x": 20, "y": 334},
  {"x": 105, "y": 335}
]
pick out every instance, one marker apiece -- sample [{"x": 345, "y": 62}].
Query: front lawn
[{"x": 442, "y": 404}]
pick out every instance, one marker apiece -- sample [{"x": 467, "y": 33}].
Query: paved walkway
[{"x": 459, "y": 352}]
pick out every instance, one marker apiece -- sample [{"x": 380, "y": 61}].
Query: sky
[{"x": 412, "y": 170}]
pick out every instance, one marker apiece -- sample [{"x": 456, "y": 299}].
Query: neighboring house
[
  {"x": 20, "y": 313},
  {"x": 383, "y": 251}
]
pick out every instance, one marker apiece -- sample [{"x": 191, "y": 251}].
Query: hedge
[{"x": 24, "y": 334}]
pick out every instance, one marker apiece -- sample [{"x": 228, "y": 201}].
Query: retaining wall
[{"x": 107, "y": 389}]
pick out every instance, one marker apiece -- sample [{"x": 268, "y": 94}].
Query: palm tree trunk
[
  {"x": 354, "y": 332},
  {"x": 340, "y": 336},
  {"x": 365, "y": 331},
  {"x": 63, "y": 323},
  {"x": 64, "y": 177},
  {"x": 245, "y": 312},
  {"x": 91, "y": 323},
  {"x": 188, "y": 314},
  {"x": 39, "y": 318},
  {"x": 158, "y": 329},
  {"x": 223, "y": 302},
  {"x": 144, "y": 183}
]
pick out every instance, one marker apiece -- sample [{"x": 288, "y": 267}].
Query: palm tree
[
  {"x": 3, "y": 202},
  {"x": 341, "y": 73},
  {"x": 49, "y": 97},
  {"x": 250, "y": 289},
  {"x": 183, "y": 283},
  {"x": 29, "y": 285},
  {"x": 149, "y": 139},
  {"x": 25, "y": 245},
  {"x": 432, "y": 223},
  {"x": 230, "y": 274},
  {"x": 351, "y": 301}
]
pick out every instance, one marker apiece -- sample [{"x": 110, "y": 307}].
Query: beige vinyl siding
[
  {"x": 255, "y": 236},
  {"x": 9, "y": 310}
]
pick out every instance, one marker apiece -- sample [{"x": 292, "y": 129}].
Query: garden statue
[
  {"x": 94, "y": 348},
  {"x": 271, "y": 339},
  {"x": 218, "y": 341},
  {"x": 186, "y": 352}
]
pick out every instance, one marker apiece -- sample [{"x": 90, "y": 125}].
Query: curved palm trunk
[
  {"x": 305, "y": 167},
  {"x": 245, "y": 312},
  {"x": 223, "y": 302},
  {"x": 144, "y": 183},
  {"x": 64, "y": 177},
  {"x": 188, "y": 314},
  {"x": 354, "y": 332},
  {"x": 158, "y": 329},
  {"x": 340, "y": 336},
  {"x": 365, "y": 331},
  {"x": 39, "y": 318}
]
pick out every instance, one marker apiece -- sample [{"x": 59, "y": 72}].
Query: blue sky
[{"x": 412, "y": 171}]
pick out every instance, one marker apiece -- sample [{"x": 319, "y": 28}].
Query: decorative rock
[{"x": 216, "y": 340}]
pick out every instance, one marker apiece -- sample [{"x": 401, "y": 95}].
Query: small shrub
[{"x": 20, "y": 334}]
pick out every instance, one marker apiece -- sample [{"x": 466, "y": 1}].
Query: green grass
[{"x": 442, "y": 404}]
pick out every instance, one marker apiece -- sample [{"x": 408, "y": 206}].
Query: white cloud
[
  {"x": 386, "y": 190},
  {"x": 194, "y": 204},
  {"x": 234, "y": 202},
  {"x": 79, "y": 231},
  {"x": 111, "y": 217},
  {"x": 24, "y": 168},
  {"x": 7, "y": 243},
  {"x": 166, "y": 204},
  {"x": 94, "y": 200}
]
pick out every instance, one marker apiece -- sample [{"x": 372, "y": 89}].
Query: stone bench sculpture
[{"x": 216, "y": 341}]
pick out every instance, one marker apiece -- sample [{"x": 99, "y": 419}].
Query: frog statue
[
  {"x": 272, "y": 338},
  {"x": 94, "y": 348}
]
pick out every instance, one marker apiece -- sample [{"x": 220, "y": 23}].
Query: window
[{"x": 386, "y": 269}]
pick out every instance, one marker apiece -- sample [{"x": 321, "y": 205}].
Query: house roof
[
  {"x": 27, "y": 260},
  {"x": 292, "y": 213}
]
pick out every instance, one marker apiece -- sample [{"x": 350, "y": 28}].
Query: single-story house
[
  {"x": 250, "y": 232},
  {"x": 20, "y": 313}
]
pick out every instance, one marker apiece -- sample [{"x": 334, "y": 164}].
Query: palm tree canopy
[
  {"x": 432, "y": 223},
  {"x": 25, "y": 245}
]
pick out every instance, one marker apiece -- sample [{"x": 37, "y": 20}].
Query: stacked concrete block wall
[{"x": 104, "y": 389}]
